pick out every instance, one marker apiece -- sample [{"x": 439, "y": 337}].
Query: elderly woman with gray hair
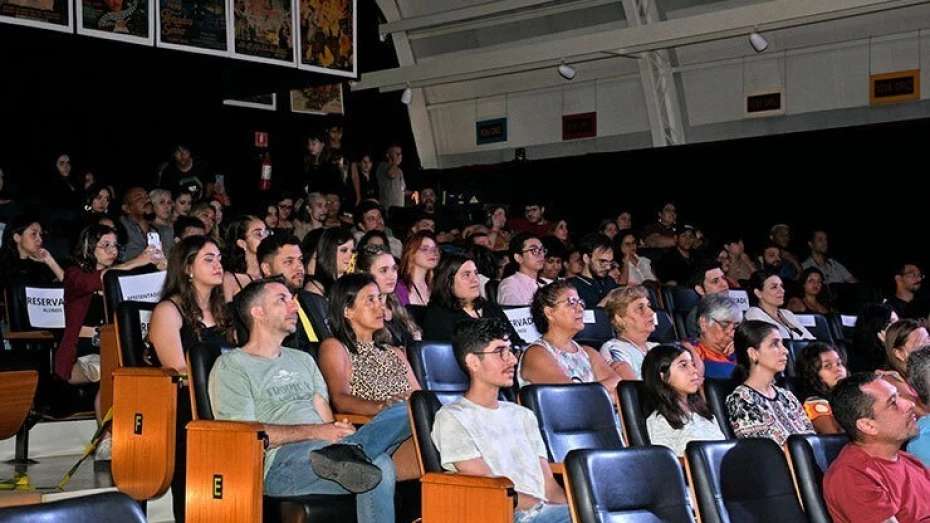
[
  {"x": 918, "y": 365},
  {"x": 163, "y": 208},
  {"x": 718, "y": 316}
]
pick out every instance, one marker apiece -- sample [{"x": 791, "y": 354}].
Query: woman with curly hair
[{"x": 820, "y": 366}]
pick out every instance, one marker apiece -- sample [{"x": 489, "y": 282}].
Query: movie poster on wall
[
  {"x": 317, "y": 99},
  {"x": 124, "y": 20},
  {"x": 198, "y": 26},
  {"x": 56, "y": 15},
  {"x": 263, "y": 31},
  {"x": 327, "y": 36}
]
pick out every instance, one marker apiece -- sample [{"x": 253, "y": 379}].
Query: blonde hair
[{"x": 619, "y": 300}]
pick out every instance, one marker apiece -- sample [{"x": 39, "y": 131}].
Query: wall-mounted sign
[
  {"x": 583, "y": 125},
  {"x": 894, "y": 87},
  {"x": 765, "y": 103},
  {"x": 318, "y": 99},
  {"x": 130, "y": 21},
  {"x": 326, "y": 36},
  {"x": 199, "y": 27},
  {"x": 491, "y": 131},
  {"x": 57, "y": 15}
]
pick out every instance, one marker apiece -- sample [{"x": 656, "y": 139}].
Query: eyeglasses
[
  {"x": 504, "y": 353},
  {"x": 262, "y": 233},
  {"x": 536, "y": 251},
  {"x": 727, "y": 325},
  {"x": 917, "y": 275},
  {"x": 572, "y": 302},
  {"x": 603, "y": 262},
  {"x": 108, "y": 246}
]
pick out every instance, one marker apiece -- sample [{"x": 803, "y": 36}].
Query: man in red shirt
[
  {"x": 533, "y": 220},
  {"x": 872, "y": 479}
]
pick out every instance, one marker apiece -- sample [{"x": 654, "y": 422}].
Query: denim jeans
[
  {"x": 543, "y": 513},
  {"x": 291, "y": 474}
]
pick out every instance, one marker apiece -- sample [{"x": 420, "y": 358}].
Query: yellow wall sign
[{"x": 894, "y": 87}]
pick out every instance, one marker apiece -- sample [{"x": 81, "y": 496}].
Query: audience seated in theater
[
  {"x": 497, "y": 228},
  {"x": 780, "y": 235},
  {"x": 136, "y": 206},
  {"x": 555, "y": 260},
  {"x": 185, "y": 226},
  {"x": 280, "y": 256},
  {"x": 417, "y": 269},
  {"x": 482, "y": 436},
  {"x": 708, "y": 278},
  {"x": 334, "y": 215},
  {"x": 271, "y": 216},
  {"x": 456, "y": 297},
  {"x": 556, "y": 357},
  {"x": 311, "y": 216},
  {"x": 182, "y": 203},
  {"x": 163, "y": 210},
  {"x": 378, "y": 261},
  {"x": 608, "y": 228},
  {"x": 533, "y": 219},
  {"x": 307, "y": 451},
  {"x": 594, "y": 282},
  {"x": 286, "y": 203},
  {"x": 97, "y": 200},
  {"x": 22, "y": 257},
  {"x": 527, "y": 258},
  {"x": 678, "y": 264},
  {"x": 820, "y": 366},
  {"x": 741, "y": 265},
  {"x": 833, "y": 271},
  {"x": 333, "y": 258},
  {"x": 918, "y": 367},
  {"x": 815, "y": 296},
  {"x": 240, "y": 260},
  {"x": 901, "y": 339},
  {"x": 718, "y": 317},
  {"x": 486, "y": 262},
  {"x": 867, "y": 350},
  {"x": 207, "y": 214},
  {"x": 768, "y": 294},
  {"x": 661, "y": 233},
  {"x": 757, "y": 408},
  {"x": 632, "y": 320},
  {"x": 624, "y": 221},
  {"x": 770, "y": 261},
  {"x": 192, "y": 311},
  {"x": 559, "y": 230},
  {"x": 574, "y": 263},
  {"x": 634, "y": 269},
  {"x": 364, "y": 373},
  {"x": 370, "y": 217},
  {"x": 907, "y": 281},
  {"x": 676, "y": 413},
  {"x": 872, "y": 479}
]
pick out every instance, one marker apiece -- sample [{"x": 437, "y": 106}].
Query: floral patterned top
[
  {"x": 576, "y": 365},
  {"x": 753, "y": 415}
]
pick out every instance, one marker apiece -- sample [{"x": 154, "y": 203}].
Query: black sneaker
[{"x": 347, "y": 465}]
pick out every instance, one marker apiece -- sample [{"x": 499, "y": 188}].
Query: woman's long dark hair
[
  {"x": 9, "y": 253},
  {"x": 808, "y": 368},
  {"x": 659, "y": 396},
  {"x": 342, "y": 296},
  {"x": 443, "y": 293},
  {"x": 180, "y": 289},
  {"x": 233, "y": 255},
  {"x": 866, "y": 345},
  {"x": 363, "y": 262},
  {"x": 87, "y": 243},
  {"x": 326, "y": 271},
  {"x": 750, "y": 333}
]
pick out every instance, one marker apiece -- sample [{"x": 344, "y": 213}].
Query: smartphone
[
  {"x": 154, "y": 240},
  {"x": 220, "y": 179}
]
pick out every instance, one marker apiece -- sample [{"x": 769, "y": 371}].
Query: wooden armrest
[
  {"x": 465, "y": 480},
  {"x": 146, "y": 372},
  {"x": 558, "y": 468},
  {"x": 681, "y": 461},
  {"x": 460, "y": 498},
  {"x": 355, "y": 419},
  {"x": 226, "y": 426},
  {"x": 29, "y": 335}
]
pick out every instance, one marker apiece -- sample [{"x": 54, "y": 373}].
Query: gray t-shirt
[
  {"x": 279, "y": 391},
  {"x": 507, "y": 439},
  {"x": 698, "y": 428},
  {"x": 391, "y": 190}
]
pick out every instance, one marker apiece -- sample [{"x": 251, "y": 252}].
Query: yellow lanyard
[{"x": 311, "y": 335}]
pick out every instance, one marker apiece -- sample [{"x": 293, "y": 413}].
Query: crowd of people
[{"x": 323, "y": 299}]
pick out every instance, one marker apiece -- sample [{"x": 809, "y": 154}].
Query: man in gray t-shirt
[
  {"x": 391, "y": 186},
  {"x": 481, "y": 436},
  {"x": 307, "y": 451}
]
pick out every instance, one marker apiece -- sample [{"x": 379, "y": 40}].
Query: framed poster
[
  {"x": 130, "y": 21},
  {"x": 318, "y": 99},
  {"x": 198, "y": 26},
  {"x": 266, "y": 102},
  {"x": 327, "y": 36},
  {"x": 56, "y": 15},
  {"x": 262, "y": 31}
]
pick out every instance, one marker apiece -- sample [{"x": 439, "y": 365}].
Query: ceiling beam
[
  {"x": 728, "y": 23},
  {"x": 455, "y": 16}
]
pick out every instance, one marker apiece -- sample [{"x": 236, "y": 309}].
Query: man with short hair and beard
[
  {"x": 280, "y": 255},
  {"x": 136, "y": 206},
  {"x": 593, "y": 284},
  {"x": 482, "y": 436}
]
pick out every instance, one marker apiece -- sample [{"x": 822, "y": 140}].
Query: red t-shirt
[{"x": 862, "y": 489}]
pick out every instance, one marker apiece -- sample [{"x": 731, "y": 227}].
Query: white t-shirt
[
  {"x": 507, "y": 439},
  {"x": 698, "y": 428},
  {"x": 621, "y": 350}
]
